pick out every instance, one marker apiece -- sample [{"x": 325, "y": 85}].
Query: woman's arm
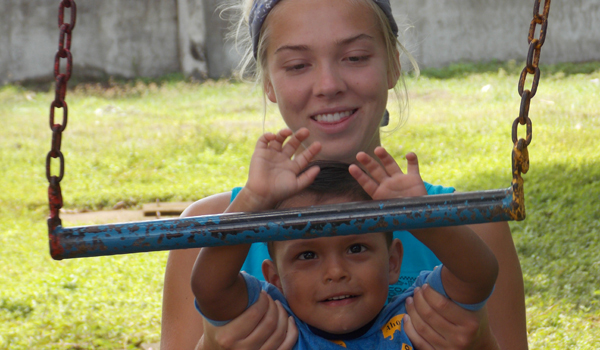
[
  {"x": 437, "y": 323},
  {"x": 506, "y": 306},
  {"x": 181, "y": 326}
]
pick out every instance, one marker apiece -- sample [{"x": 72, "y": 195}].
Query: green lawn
[{"x": 175, "y": 140}]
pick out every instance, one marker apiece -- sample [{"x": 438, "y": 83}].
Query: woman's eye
[
  {"x": 357, "y": 59},
  {"x": 357, "y": 248},
  {"x": 296, "y": 67},
  {"x": 307, "y": 256}
]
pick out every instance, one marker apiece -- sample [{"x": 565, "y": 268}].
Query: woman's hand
[
  {"x": 435, "y": 322},
  {"x": 264, "y": 325}
]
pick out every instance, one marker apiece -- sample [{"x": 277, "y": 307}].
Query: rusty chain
[
  {"x": 64, "y": 52},
  {"x": 520, "y": 154}
]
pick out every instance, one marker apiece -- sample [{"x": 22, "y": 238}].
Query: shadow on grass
[{"x": 559, "y": 241}]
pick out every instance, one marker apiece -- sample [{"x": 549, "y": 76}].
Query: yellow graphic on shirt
[
  {"x": 395, "y": 324},
  {"x": 341, "y": 343},
  {"x": 406, "y": 347}
]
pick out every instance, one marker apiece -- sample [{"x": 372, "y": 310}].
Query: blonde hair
[{"x": 254, "y": 70}]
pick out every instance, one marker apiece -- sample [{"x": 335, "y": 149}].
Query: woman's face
[{"x": 326, "y": 70}]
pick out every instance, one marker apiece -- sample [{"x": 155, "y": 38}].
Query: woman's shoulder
[{"x": 214, "y": 204}]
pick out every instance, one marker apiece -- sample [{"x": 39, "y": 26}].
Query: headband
[{"x": 261, "y": 8}]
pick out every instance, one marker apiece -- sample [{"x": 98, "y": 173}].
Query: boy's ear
[
  {"x": 396, "y": 254},
  {"x": 269, "y": 91},
  {"x": 269, "y": 271},
  {"x": 394, "y": 76}
]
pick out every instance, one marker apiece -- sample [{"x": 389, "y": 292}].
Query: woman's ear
[
  {"x": 394, "y": 74},
  {"x": 269, "y": 271},
  {"x": 269, "y": 91},
  {"x": 396, "y": 253}
]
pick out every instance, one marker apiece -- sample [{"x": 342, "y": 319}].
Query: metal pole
[{"x": 296, "y": 223}]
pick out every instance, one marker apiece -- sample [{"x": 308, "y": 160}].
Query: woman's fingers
[
  {"x": 241, "y": 332},
  {"x": 246, "y": 323},
  {"x": 423, "y": 316},
  {"x": 279, "y": 334},
  {"x": 417, "y": 341},
  {"x": 291, "y": 336},
  {"x": 440, "y": 322},
  {"x": 457, "y": 326},
  {"x": 265, "y": 327}
]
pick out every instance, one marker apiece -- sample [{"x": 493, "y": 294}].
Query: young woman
[{"x": 329, "y": 65}]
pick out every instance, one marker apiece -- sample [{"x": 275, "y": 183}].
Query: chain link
[
  {"x": 520, "y": 154},
  {"x": 61, "y": 79}
]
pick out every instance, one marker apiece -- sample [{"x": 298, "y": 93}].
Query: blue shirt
[
  {"x": 385, "y": 332},
  {"x": 417, "y": 257}
]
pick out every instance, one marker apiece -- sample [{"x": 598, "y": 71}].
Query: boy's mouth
[
  {"x": 340, "y": 297},
  {"x": 333, "y": 117}
]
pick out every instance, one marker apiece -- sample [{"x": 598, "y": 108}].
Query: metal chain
[
  {"x": 520, "y": 154},
  {"x": 64, "y": 52}
]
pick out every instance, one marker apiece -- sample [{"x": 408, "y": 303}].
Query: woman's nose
[{"x": 329, "y": 82}]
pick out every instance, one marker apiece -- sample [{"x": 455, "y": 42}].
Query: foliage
[{"x": 171, "y": 139}]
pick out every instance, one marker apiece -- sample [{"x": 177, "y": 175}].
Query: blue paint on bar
[{"x": 300, "y": 223}]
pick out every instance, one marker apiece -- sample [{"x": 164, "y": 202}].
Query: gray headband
[{"x": 261, "y": 9}]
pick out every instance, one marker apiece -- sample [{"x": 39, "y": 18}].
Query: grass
[{"x": 174, "y": 140}]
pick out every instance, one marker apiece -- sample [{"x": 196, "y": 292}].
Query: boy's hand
[
  {"x": 273, "y": 174},
  {"x": 387, "y": 179}
]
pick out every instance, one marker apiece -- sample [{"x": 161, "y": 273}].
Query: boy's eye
[
  {"x": 307, "y": 256},
  {"x": 357, "y": 248}
]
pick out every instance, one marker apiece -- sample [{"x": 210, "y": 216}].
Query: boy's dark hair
[{"x": 333, "y": 181}]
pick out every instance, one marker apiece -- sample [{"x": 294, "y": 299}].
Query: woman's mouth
[{"x": 333, "y": 117}]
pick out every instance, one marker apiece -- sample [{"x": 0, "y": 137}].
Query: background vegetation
[{"x": 173, "y": 140}]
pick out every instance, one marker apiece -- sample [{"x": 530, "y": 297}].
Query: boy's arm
[
  {"x": 470, "y": 268},
  {"x": 218, "y": 287}
]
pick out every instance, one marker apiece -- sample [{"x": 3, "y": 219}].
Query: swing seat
[{"x": 297, "y": 223}]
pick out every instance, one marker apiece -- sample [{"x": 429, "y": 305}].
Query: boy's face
[{"x": 337, "y": 284}]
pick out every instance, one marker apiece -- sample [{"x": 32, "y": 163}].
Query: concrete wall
[
  {"x": 131, "y": 38},
  {"x": 482, "y": 30},
  {"x": 111, "y": 37}
]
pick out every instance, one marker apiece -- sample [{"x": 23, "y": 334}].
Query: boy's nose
[
  {"x": 335, "y": 271},
  {"x": 329, "y": 82}
]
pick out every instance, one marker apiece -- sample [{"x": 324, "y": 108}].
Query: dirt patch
[{"x": 148, "y": 212}]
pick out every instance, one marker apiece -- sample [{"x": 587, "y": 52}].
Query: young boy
[{"x": 336, "y": 287}]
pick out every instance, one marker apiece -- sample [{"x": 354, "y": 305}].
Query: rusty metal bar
[{"x": 296, "y": 223}]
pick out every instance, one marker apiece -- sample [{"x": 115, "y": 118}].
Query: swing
[{"x": 327, "y": 220}]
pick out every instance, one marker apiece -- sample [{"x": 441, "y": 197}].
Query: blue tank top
[{"x": 417, "y": 257}]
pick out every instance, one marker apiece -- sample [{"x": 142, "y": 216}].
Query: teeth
[
  {"x": 332, "y": 118},
  {"x": 340, "y": 297}
]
